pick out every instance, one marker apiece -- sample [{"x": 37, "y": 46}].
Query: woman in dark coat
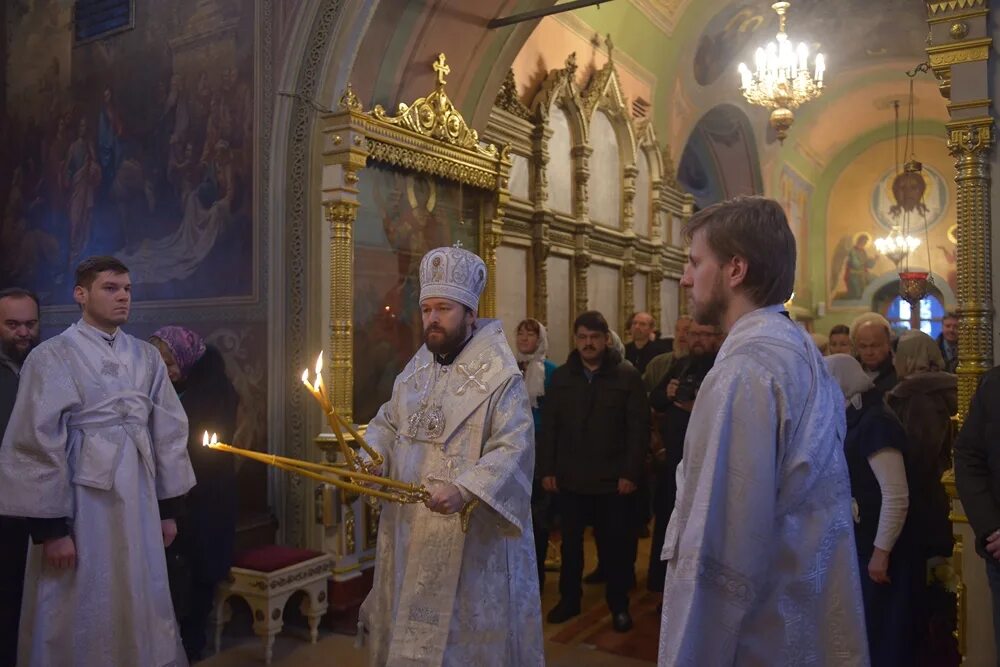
[
  {"x": 203, "y": 552},
  {"x": 892, "y": 569},
  {"x": 925, "y": 398}
]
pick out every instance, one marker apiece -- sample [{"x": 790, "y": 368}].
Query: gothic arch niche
[
  {"x": 720, "y": 158},
  {"x": 612, "y": 140},
  {"x": 558, "y": 110}
]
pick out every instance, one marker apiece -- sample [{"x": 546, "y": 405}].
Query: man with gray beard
[{"x": 19, "y": 333}]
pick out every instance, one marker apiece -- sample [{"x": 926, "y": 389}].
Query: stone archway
[{"x": 720, "y": 158}]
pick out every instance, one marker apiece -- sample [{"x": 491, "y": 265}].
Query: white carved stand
[{"x": 267, "y": 593}]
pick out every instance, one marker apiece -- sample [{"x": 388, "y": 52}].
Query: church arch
[{"x": 720, "y": 158}]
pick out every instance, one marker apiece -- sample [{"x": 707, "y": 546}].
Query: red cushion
[{"x": 272, "y": 557}]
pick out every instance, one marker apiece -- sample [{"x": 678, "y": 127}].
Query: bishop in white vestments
[
  {"x": 761, "y": 564},
  {"x": 458, "y": 422},
  {"x": 97, "y": 437}
]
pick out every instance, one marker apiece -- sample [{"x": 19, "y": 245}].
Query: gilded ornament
[
  {"x": 349, "y": 100},
  {"x": 958, "y": 30},
  {"x": 349, "y": 544},
  {"x": 508, "y": 99}
]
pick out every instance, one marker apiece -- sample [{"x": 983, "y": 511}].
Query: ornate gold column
[
  {"x": 970, "y": 143},
  {"x": 653, "y": 293},
  {"x": 581, "y": 263},
  {"x": 341, "y": 215},
  {"x": 629, "y": 269},
  {"x": 541, "y": 219},
  {"x": 628, "y": 198}
]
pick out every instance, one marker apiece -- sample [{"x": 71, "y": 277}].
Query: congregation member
[
  {"x": 840, "y": 340},
  {"x": 644, "y": 346},
  {"x": 591, "y": 450},
  {"x": 924, "y": 400},
  {"x": 531, "y": 347},
  {"x": 658, "y": 366},
  {"x": 20, "y": 332},
  {"x": 95, "y": 455},
  {"x": 458, "y": 422},
  {"x": 947, "y": 341},
  {"x": 871, "y": 337},
  {"x": 206, "y": 534},
  {"x": 761, "y": 562},
  {"x": 977, "y": 476},
  {"x": 892, "y": 569},
  {"x": 672, "y": 401}
]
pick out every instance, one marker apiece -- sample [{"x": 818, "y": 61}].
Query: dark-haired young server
[
  {"x": 97, "y": 437},
  {"x": 19, "y": 333}
]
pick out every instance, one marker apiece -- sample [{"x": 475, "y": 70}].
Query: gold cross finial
[{"x": 442, "y": 69}]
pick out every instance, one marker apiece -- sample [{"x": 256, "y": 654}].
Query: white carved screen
[
  {"x": 558, "y": 306},
  {"x": 605, "y": 173},
  {"x": 512, "y": 291},
  {"x": 518, "y": 176},
  {"x": 639, "y": 283},
  {"x": 669, "y": 305},
  {"x": 643, "y": 195},
  {"x": 560, "y": 166},
  {"x": 604, "y": 287}
]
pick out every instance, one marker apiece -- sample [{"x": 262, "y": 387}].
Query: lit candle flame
[
  {"x": 305, "y": 378},
  {"x": 204, "y": 441},
  {"x": 215, "y": 439},
  {"x": 319, "y": 363}
]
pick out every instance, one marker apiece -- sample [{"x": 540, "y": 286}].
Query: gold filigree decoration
[
  {"x": 420, "y": 161},
  {"x": 960, "y": 52},
  {"x": 349, "y": 100},
  {"x": 560, "y": 84},
  {"x": 349, "y": 544},
  {"x": 508, "y": 99},
  {"x": 952, "y": 5},
  {"x": 435, "y": 116}
]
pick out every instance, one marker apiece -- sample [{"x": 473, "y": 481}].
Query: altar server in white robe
[
  {"x": 761, "y": 564},
  {"x": 97, "y": 437},
  {"x": 458, "y": 422}
]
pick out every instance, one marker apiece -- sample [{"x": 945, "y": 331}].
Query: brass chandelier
[{"x": 781, "y": 80}]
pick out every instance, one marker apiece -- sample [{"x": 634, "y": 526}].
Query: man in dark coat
[
  {"x": 947, "y": 341},
  {"x": 643, "y": 347},
  {"x": 977, "y": 476},
  {"x": 19, "y": 333},
  {"x": 594, "y": 437}
]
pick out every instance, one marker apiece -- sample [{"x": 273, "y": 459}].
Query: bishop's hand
[{"x": 445, "y": 499}]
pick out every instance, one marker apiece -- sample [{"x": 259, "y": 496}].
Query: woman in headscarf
[
  {"x": 532, "y": 344},
  {"x": 925, "y": 398},
  {"x": 207, "y": 530},
  {"x": 891, "y": 572}
]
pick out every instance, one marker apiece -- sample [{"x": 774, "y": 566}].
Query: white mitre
[{"x": 452, "y": 273}]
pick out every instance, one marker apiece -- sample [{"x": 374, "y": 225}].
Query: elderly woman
[
  {"x": 207, "y": 530},
  {"x": 891, "y": 569},
  {"x": 532, "y": 344},
  {"x": 924, "y": 399}
]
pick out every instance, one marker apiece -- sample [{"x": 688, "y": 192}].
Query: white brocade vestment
[
  {"x": 441, "y": 596},
  {"x": 761, "y": 564},
  {"x": 97, "y": 435}
]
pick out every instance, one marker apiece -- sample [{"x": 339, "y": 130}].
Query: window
[
  {"x": 926, "y": 316},
  {"x": 96, "y": 19}
]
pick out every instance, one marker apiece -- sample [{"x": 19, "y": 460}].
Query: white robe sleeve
[
  {"x": 887, "y": 465},
  {"x": 501, "y": 478},
  {"x": 382, "y": 430},
  {"x": 726, "y": 514},
  {"x": 35, "y": 477},
  {"x": 168, "y": 429}
]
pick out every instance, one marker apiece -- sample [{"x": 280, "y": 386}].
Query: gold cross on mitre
[{"x": 442, "y": 69}]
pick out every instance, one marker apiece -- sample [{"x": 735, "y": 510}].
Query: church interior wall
[
  {"x": 144, "y": 145},
  {"x": 859, "y": 204}
]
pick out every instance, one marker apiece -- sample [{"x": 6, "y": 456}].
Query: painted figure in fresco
[
  {"x": 857, "y": 272},
  {"x": 83, "y": 174},
  {"x": 109, "y": 138}
]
